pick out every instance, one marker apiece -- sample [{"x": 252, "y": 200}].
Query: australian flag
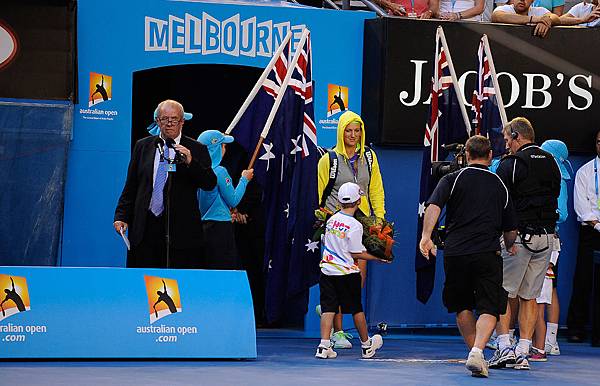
[
  {"x": 286, "y": 167},
  {"x": 445, "y": 125},
  {"x": 485, "y": 108}
]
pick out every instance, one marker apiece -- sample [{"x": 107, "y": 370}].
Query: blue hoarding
[{"x": 125, "y": 313}]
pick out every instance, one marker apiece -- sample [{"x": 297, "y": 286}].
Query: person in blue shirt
[{"x": 216, "y": 205}]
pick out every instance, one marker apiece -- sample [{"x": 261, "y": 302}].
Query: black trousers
[
  {"x": 152, "y": 251},
  {"x": 219, "y": 245},
  {"x": 579, "y": 308}
]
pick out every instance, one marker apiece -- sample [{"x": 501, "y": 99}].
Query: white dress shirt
[{"x": 585, "y": 195}]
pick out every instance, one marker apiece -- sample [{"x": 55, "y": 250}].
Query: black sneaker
[{"x": 503, "y": 358}]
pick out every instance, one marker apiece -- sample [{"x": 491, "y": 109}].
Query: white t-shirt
[
  {"x": 582, "y": 10},
  {"x": 533, "y": 11},
  {"x": 343, "y": 235},
  {"x": 448, "y": 6}
]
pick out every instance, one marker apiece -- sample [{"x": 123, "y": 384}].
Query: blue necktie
[{"x": 156, "y": 202}]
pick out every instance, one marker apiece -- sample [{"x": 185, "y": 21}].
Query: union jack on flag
[{"x": 487, "y": 119}]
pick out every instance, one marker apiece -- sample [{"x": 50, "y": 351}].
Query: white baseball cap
[{"x": 349, "y": 192}]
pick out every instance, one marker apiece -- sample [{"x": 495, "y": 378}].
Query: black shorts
[
  {"x": 474, "y": 282},
  {"x": 341, "y": 291}
]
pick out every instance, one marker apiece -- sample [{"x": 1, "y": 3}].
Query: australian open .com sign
[{"x": 208, "y": 35}]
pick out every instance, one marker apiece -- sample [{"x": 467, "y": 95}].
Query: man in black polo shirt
[
  {"x": 533, "y": 178},
  {"x": 478, "y": 211}
]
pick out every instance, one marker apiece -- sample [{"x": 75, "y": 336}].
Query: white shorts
[{"x": 546, "y": 294}]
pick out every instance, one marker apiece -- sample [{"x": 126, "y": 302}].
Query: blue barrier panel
[{"x": 125, "y": 313}]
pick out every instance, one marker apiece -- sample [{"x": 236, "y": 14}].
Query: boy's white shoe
[
  {"x": 325, "y": 352},
  {"x": 374, "y": 344},
  {"x": 341, "y": 340},
  {"x": 552, "y": 349}
]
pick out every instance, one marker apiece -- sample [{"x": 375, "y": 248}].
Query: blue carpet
[{"x": 404, "y": 359}]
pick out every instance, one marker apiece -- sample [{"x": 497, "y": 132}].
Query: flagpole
[
  {"x": 488, "y": 52},
  {"x": 280, "y": 95},
  {"x": 259, "y": 83},
  {"x": 459, "y": 94}
]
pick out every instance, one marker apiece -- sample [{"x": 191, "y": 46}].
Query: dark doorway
[{"x": 212, "y": 92}]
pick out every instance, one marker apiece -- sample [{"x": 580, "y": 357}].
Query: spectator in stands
[
  {"x": 486, "y": 16},
  {"x": 557, "y": 7},
  {"x": 414, "y": 8},
  {"x": 584, "y": 14},
  {"x": 454, "y": 10},
  {"x": 521, "y": 12}
]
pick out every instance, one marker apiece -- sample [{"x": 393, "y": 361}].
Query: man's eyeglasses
[{"x": 167, "y": 120}]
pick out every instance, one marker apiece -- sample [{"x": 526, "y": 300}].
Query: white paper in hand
[{"x": 125, "y": 239}]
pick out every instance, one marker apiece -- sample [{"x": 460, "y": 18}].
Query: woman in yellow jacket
[{"x": 350, "y": 161}]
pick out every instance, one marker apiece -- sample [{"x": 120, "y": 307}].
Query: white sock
[
  {"x": 366, "y": 344},
  {"x": 551, "y": 331},
  {"x": 325, "y": 343},
  {"x": 477, "y": 350},
  {"x": 503, "y": 341},
  {"x": 523, "y": 347}
]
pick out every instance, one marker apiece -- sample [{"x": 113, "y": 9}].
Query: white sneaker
[
  {"x": 341, "y": 340},
  {"x": 375, "y": 343},
  {"x": 552, "y": 349},
  {"x": 325, "y": 352},
  {"x": 477, "y": 365},
  {"x": 492, "y": 344}
]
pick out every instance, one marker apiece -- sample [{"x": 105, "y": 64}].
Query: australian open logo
[
  {"x": 163, "y": 297},
  {"x": 100, "y": 88},
  {"x": 8, "y": 45},
  {"x": 15, "y": 296},
  {"x": 337, "y": 99}
]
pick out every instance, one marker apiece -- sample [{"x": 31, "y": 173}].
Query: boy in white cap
[{"x": 340, "y": 282}]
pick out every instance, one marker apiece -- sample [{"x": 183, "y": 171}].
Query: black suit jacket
[{"x": 186, "y": 229}]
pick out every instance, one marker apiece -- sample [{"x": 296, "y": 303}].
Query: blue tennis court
[{"x": 286, "y": 359}]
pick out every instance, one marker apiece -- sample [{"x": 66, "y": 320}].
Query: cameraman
[
  {"x": 478, "y": 211},
  {"x": 533, "y": 180}
]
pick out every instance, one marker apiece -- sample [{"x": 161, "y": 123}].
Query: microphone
[
  {"x": 179, "y": 156},
  {"x": 159, "y": 144}
]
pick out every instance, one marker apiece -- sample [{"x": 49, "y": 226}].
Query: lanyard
[
  {"x": 596, "y": 175},
  {"x": 412, "y": 5}
]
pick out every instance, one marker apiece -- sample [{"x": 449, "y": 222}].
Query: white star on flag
[
  {"x": 421, "y": 209},
  {"x": 311, "y": 245},
  {"x": 287, "y": 210},
  {"x": 296, "y": 147},
  {"x": 268, "y": 153}
]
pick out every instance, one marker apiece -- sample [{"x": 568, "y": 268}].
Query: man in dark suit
[{"x": 145, "y": 198}]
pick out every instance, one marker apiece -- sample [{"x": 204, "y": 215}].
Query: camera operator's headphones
[{"x": 513, "y": 134}]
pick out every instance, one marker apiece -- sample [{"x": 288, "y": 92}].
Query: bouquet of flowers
[
  {"x": 378, "y": 236},
  {"x": 322, "y": 215}
]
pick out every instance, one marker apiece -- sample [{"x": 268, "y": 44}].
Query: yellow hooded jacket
[{"x": 374, "y": 191}]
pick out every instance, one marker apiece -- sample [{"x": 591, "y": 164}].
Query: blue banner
[{"x": 125, "y": 313}]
